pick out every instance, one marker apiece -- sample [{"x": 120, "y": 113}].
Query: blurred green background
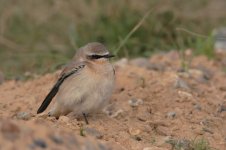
[{"x": 38, "y": 36}]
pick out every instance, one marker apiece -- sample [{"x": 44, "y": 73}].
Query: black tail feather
[
  {"x": 55, "y": 89},
  {"x": 50, "y": 96}
]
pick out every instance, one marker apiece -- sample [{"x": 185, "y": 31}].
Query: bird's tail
[
  {"x": 55, "y": 89},
  {"x": 50, "y": 96}
]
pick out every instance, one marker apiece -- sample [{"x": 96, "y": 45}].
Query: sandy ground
[{"x": 155, "y": 103}]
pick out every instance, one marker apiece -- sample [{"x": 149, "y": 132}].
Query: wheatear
[{"x": 85, "y": 84}]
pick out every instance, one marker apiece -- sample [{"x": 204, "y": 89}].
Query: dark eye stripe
[
  {"x": 95, "y": 56},
  {"x": 100, "y": 56}
]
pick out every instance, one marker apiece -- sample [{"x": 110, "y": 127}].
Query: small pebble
[
  {"x": 198, "y": 107},
  {"x": 134, "y": 132},
  {"x": 135, "y": 102},
  {"x": 112, "y": 111},
  {"x": 171, "y": 115},
  {"x": 24, "y": 115},
  {"x": 40, "y": 143},
  {"x": 64, "y": 119},
  {"x": 143, "y": 116},
  {"x": 207, "y": 74},
  {"x": 56, "y": 139},
  {"x": 185, "y": 95},
  {"x": 115, "y": 114},
  {"x": 181, "y": 84},
  {"x": 222, "y": 107},
  {"x": 199, "y": 75}
]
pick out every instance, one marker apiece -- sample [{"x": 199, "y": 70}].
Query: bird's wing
[{"x": 71, "y": 69}]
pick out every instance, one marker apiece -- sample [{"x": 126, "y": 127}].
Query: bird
[{"x": 85, "y": 84}]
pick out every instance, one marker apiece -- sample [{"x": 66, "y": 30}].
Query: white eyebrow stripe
[{"x": 99, "y": 54}]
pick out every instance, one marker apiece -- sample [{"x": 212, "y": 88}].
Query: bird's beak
[{"x": 110, "y": 56}]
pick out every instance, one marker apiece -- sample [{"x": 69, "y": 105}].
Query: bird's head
[{"x": 93, "y": 52}]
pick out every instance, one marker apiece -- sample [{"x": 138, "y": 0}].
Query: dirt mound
[{"x": 156, "y": 105}]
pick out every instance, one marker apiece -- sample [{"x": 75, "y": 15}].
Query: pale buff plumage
[{"x": 90, "y": 87}]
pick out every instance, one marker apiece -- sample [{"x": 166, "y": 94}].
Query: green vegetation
[
  {"x": 201, "y": 144},
  {"x": 39, "y": 36},
  {"x": 197, "y": 144}
]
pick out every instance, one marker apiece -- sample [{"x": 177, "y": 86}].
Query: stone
[
  {"x": 207, "y": 73},
  {"x": 135, "y": 102},
  {"x": 185, "y": 95},
  {"x": 112, "y": 111},
  {"x": 116, "y": 113},
  {"x": 24, "y": 115},
  {"x": 144, "y": 116},
  {"x": 179, "y": 83},
  {"x": 171, "y": 115},
  {"x": 134, "y": 132},
  {"x": 56, "y": 138},
  {"x": 39, "y": 143},
  {"x": 201, "y": 75},
  {"x": 64, "y": 119},
  {"x": 222, "y": 107},
  {"x": 197, "y": 107}
]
